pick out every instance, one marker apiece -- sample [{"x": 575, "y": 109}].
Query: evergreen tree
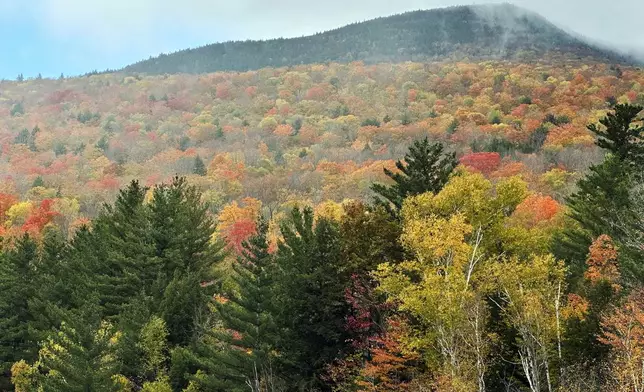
[
  {"x": 55, "y": 281},
  {"x": 426, "y": 168},
  {"x": 17, "y": 287},
  {"x": 183, "y": 300},
  {"x": 603, "y": 193},
  {"x": 238, "y": 355},
  {"x": 621, "y": 133},
  {"x": 80, "y": 356},
  {"x": 124, "y": 250},
  {"x": 182, "y": 230},
  {"x": 309, "y": 293},
  {"x": 200, "y": 167}
]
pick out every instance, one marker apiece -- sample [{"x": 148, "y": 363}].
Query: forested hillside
[
  {"x": 450, "y": 226},
  {"x": 468, "y": 32}
]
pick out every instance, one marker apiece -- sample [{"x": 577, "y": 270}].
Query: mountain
[{"x": 455, "y": 33}]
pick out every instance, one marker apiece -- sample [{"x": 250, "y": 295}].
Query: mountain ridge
[{"x": 500, "y": 31}]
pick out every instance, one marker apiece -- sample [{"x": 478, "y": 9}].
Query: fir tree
[
  {"x": 17, "y": 287},
  {"x": 80, "y": 355},
  {"x": 603, "y": 193},
  {"x": 239, "y": 355},
  {"x": 426, "y": 168},
  {"x": 182, "y": 230},
  {"x": 125, "y": 250},
  {"x": 200, "y": 167},
  {"x": 56, "y": 282},
  {"x": 310, "y": 282}
]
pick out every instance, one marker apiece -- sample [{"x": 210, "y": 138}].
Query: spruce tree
[
  {"x": 603, "y": 194},
  {"x": 200, "y": 167},
  {"x": 125, "y": 250},
  {"x": 425, "y": 168},
  {"x": 80, "y": 355},
  {"x": 17, "y": 287},
  {"x": 309, "y": 292},
  {"x": 56, "y": 280},
  {"x": 238, "y": 355}
]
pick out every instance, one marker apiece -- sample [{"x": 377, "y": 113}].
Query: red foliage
[
  {"x": 485, "y": 162},
  {"x": 412, "y": 95},
  {"x": 316, "y": 93},
  {"x": 223, "y": 91},
  {"x": 251, "y": 91},
  {"x": 40, "y": 217},
  {"x": 239, "y": 232}
]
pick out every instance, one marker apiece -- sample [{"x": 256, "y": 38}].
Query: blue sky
[{"x": 77, "y": 36}]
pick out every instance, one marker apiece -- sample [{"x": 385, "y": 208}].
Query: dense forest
[
  {"x": 355, "y": 217},
  {"x": 285, "y": 136},
  {"x": 446, "y": 280},
  {"x": 501, "y": 31}
]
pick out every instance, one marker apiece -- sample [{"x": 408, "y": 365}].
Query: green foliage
[
  {"x": 621, "y": 135},
  {"x": 425, "y": 168},
  {"x": 241, "y": 352},
  {"x": 80, "y": 355},
  {"x": 373, "y": 122},
  {"x": 309, "y": 292},
  {"x": 17, "y": 109},
  {"x": 467, "y": 34},
  {"x": 17, "y": 286},
  {"x": 200, "y": 167}
]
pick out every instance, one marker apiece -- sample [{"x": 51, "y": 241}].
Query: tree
[
  {"x": 623, "y": 331},
  {"x": 240, "y": 354},
  {"x": 531, "y": 301},
  {"x": 604, "y": 192},
  {"x": 80, "y": 355},
  {"x": 309, "y": 291},
  {"x": 425, "y": 168},
  {"x": 17, "y": 287},
  {"x": 621, "y": 133},
  {"x": 124, "y": 250},
  {"x": 200, "y": 167},
  {"x": 452, "y": 239}
]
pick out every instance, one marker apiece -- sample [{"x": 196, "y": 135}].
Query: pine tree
[
  {"x": 238, "y": 355},
  {"x": 125, "y": 250},
  {"x": 183, "y": 300},
  {"x": 603, "y": 193},
  {"x": 425, "y": 168},
  {"x": 80, "y": 355},
  {"x": 55, "y": 281},
  {"x": 200, "y": 167},
  {"x": 17, "y": 278},
  {"x": 309, "y": 293}
]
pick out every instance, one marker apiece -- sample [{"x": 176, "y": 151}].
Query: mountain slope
[{"x": 474, "y": 32}]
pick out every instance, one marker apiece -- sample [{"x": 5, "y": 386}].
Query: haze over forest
[{"x": 441, "y": 200}]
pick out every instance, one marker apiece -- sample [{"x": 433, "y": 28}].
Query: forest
[
  {"x": 447, "y": 226},
  {"x": 483, "y": 32},
  {"x": 446, "y": 280}
]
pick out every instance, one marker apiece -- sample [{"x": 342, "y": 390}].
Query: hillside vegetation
[
  {"x": 455, "y": 33},
  {"x": 445, "y": 226}
]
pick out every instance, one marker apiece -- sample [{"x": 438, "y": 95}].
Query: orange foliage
[
  {"x": 6, "y": 201},
  {"x": 236, "y": 223},
  {"x": 283, "y": 130},
  {"x": 602, "y": 262},
  {"x": 568, "y": 134},
  {"x": 536, "y": 209},
  {"x": 485, "y": 162},
  {"x": 388, "y": 367}
]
